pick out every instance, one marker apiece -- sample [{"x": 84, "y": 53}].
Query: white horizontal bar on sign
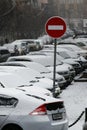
[{"x": 55, "y": 27}]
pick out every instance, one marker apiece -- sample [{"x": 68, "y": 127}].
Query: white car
[
  {"x": 21, "y": 46},
  {"x": 81, "y": 42},
  {"x": 47, "y": 61},
  {"x": 59, "y": 56},
  {"x": 75, "y": 49},
  {"x": 11, "y": 80},
  {"x": 32, "y": 77},
  {"x": 23, "y": 111},
  {"x": 38, "y": 67},
  {"x": 63, "y": 69},
  {"x": 70, "y": 56}
]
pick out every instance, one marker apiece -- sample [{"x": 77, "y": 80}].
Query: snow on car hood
[
  {"x": 35, "y": 90},
  {"x": 70, "y": 61},
  {"x": 59, "y": 68},
  {"x": 45, "y": 83}
]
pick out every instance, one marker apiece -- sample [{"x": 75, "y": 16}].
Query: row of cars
[
  {"x": 26, "y": 98},
  {"x": 68, "y": 64},
  {"x": 26, "y": 93},
  {"x": 24, "y": 46}
]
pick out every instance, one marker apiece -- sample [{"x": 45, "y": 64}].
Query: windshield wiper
[
  {"x": 36, "y": 97},
  {"x": 45, "y": 72},
  {"x": 2, "y": 85},
  {"x": 47, "y": 66},
  {"x": 34, "y": 81},
  {"x": 24, "y": 85},
  {"x": 39, "y": 78}
]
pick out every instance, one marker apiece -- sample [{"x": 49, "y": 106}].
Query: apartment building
[{"x": 70, "y": 10}]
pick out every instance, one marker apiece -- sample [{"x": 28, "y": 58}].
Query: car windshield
[
  {"x": 72, "y": 54},
  {"x": 81, "y": 36},
  {"x": 23, "y": 43},
  {"x": 39, "y": 68},
  {"x": 64, "y": 55},
  {"x": 72, "y": 48},
  {"x": 48, "y": 62}
]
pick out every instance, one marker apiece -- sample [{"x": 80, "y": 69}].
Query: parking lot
[{"x": 27, "y": 79}]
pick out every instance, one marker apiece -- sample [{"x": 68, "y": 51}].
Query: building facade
[{"x": 71, "y": 10}]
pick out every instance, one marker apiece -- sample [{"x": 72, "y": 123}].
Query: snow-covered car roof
[
  {"x": 22, "y": 96},
  {"x": 30, "y": 75},
  {"x": 11, "y": 80}
]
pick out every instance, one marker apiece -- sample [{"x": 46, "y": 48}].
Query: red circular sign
[{"x": 55, "y": 27}]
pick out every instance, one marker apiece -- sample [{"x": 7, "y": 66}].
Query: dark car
[{"x": 4, "y": 54}]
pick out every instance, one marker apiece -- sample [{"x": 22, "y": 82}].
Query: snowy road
[{"x": 75, "y": 98}]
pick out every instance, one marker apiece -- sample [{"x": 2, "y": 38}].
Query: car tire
[{"x": 12, "y": 127}]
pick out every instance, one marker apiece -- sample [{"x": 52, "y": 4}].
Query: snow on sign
[{"x": 55, "y": 27}]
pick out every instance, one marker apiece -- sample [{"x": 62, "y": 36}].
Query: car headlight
[
  {"x": 63, "y": 73},
  {"x": 60, "y": 80}
]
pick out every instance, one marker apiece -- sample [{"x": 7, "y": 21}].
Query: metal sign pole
[
  {"x": 55, "y": 27},
  {"x": 54, "y": 72}
]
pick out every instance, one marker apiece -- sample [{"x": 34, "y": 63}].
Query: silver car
[{"x": 22, "y": 111}]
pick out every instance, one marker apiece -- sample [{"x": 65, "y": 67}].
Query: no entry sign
[{"x": 55, "y": 27}]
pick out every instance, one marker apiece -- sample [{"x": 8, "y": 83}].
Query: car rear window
[{"x": 8, "y": 101}]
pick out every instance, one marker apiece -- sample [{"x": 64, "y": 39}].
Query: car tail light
[{"x": 41, "y": 110}]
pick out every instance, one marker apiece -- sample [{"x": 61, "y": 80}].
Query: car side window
[
  {"x": 8, "y": 101},
  {"x": 2, "y": 52}
]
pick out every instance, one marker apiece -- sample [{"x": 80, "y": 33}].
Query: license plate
[{"x": 57, "y": 116}]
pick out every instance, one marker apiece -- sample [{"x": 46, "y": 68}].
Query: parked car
[
  {"x": 72, "y": 56},
  {"x": 32, "y": 44},
  {"x": 23, "y": 111},
  {"x": 40, "y": 68},
  {"x": 40, "y": 43},
  {"x": 60, "y": 54},
  {"x": 47, "y": 61},
  {"x": 75, "y": 49},
  {"x": 60, "y": 65},
  {"x": 13, "y": 80},
  {"x": 32, "y": 77},
  {"x": 4, "y": 54},
  {"x": 81, "y": 42},
  {"x": 21, "y": 47},
  {"x": 80, "y": 35},
  {"x": 76, "y": 66}
]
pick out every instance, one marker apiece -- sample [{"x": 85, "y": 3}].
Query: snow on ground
[{"x": 75, "y": 99}]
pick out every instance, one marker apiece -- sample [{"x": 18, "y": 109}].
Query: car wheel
[{"x": 12, "y": 127}]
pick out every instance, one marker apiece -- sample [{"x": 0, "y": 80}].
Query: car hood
[
  {"x": 35, "y": 90},
  {"x": 45, "y": 83},
  {"x": 70, "y": 61},
  {"x": 59, "y": 68},
  {"x": 50, "y": 75}
]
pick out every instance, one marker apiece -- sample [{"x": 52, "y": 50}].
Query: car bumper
[
  {"x": 78, "y": 70},
  {"x": 38, "y": 123}
]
